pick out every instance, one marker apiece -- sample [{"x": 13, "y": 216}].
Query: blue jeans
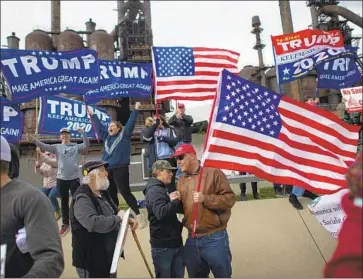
[
  {"x": 168, "y": 262},
  {"x": 52, "y": 194},
  {"x": 208, "y": 253},
  {"x": 298, "y": 191}
]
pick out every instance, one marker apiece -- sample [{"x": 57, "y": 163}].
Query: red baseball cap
[
  {"x": 183, "y": 149},
  {"x": 181, "y": 106}
]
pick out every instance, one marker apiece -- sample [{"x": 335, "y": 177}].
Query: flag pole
[
  {"x": 142, "y": 253},
  {"x": 196, "y": 205},
  {"x": 36, "y": 124},
  {"x": 276, "y": 70}
]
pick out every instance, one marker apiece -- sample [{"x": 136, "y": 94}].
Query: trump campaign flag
[
  {"x": 30, "y": 74},
  {"x": 297, "y": 54},
  {"x": 59, "y": 112},
  {"x": 121, "y": 79},
  {"x": 190, "y": 73},
  {"x": 256, "y": 130},
  {"x": 11, "y": 121},
  {"x": 339, "y": 71}
]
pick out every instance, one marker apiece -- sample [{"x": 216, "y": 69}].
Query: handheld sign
[
  {"x": 121, "y": 79},
  {"x": 59, "y": 112},
  {"x": 352, "y": 97},
  {"x": 30, "y": 74},
  {"x": 328, "y": 210},
  {"x": 120, "y": 243}
]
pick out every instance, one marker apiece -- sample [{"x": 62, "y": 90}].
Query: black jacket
[
  {"x": 89, "y": 248},
  {"x": 182, "y": 127},
  {"x": 165, "y": 228}
]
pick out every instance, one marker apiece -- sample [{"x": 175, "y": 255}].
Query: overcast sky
[{"x": 223, "y": 24}]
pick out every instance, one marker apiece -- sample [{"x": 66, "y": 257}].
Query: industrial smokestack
[
  {"x": 90, "y": 27},
  {"x": 257, "y": 30},
  {"x": 13, "y": 41},
  {"x": 56, "y": 20}
]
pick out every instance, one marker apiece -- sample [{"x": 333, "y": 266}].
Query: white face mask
[{"x": 102, "y": 183}]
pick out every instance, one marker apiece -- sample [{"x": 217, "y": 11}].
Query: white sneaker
[{"x": 141, "y": 220}]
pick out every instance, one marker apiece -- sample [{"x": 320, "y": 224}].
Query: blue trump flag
[
  {"x": 339, "y": 72},
  {"x": 59, "y": 112},
  {"x": 121, "y": 79},
  {"x": 32, "y": 73},
  {"x": 12, "y": 120}
]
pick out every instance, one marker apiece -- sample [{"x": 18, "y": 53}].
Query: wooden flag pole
[
  {"x": 196, "y": 205},
  {"x": 142, "y": 253}
]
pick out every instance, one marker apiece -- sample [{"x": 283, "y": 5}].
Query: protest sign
[
  {"x": 11, "y": 121},
  {"x": 297, "y": 54},
  {"x": 340, "y": 71},
  {"x": 58, "y": 112},
  {"x": 31, "y": 73},
  {"x": 121, "y": 79},
  {"x": 352, "y": 97},
  {"x": 120, "y": 242},
  {"x": 3, "y": 260},
  {"x": 328, "y": 210}
]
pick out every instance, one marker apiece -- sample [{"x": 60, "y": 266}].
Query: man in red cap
[
  {"x": 209, "y": 250},
  {"x": 182, "y": 124}
]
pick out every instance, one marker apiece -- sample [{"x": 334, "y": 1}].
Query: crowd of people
[{"x": 29, "y": 226}]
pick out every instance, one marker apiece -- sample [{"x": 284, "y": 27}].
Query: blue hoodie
[{"x": 117, "y": 150}]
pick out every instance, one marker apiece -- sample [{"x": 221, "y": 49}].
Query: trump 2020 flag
[
  {"x": 30, "y": 74},
  {"x": 190, "y": 73},
  {"x": 256, "y": 130},
  {"x": 340, "y": 71},
  {"x": 121, "y": 79},
  {"x": 12, "y": 120},
  {"x": 59, "y": 112},
  {"x": 297, "y": 54}
]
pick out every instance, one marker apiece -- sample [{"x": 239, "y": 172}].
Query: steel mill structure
[
  {"x": 130, "y": 40},
  {"x": 325, "y": 17}
]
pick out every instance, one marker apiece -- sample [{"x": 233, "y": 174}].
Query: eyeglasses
[{"x": 181, "y": 157}]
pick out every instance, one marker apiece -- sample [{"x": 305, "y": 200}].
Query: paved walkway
[{"x": 268, "y": 239}]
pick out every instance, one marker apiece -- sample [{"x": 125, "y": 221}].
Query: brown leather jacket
[{"x": 219, "y": 198}]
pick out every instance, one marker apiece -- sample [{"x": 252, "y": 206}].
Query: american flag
[
  {"x": 256, "y": 130},
  {"x": 186, "y": 73}
]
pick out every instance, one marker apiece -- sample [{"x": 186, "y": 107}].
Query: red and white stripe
[
  {"x": 209, "y": 62},
  {"x": 312, "y": 151}
]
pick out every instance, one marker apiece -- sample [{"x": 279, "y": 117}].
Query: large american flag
[
  {"x": 256, "y": 130},
  {"x": 186, "y": 73}
]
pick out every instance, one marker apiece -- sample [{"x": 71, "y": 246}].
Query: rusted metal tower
[{"x": 259, "y": 46}]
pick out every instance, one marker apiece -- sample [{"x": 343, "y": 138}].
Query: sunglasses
[{"x": 181, "y": 157}]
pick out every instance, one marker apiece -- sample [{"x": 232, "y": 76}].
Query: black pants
[
  {"x": 242, "y": 186},
  {"x": 120, "y": 179},
  {"x": 63, "y": 187}
]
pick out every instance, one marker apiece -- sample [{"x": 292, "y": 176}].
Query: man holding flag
[{"x": 209, "y": 249}]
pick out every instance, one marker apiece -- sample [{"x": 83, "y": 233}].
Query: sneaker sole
[{"x": 63, "y": 234}]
